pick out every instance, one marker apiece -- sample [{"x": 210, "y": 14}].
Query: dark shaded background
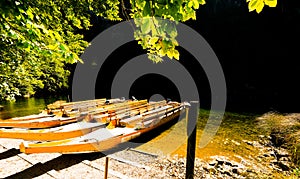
[{"x": 259, "y": 54}]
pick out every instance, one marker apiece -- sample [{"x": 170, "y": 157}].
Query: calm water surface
[{"x": 23, "y": 107}]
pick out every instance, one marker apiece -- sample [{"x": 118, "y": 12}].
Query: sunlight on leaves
[{"x": 258, "y": 5}]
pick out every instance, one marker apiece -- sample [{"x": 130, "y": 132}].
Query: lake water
[{"x": 23, "y": 107}]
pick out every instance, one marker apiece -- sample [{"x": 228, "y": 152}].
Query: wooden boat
[
  {"x": 56, "y": 104},
  {"x": 45, "y": 122},
  {"x": 117, "y": 111},
  {"x": 56, "y": 133},
  {"x": 73, "y": 130},
  {"x": 62, "y": 108},
  {"x": 106, "y": 138},
  {"x": 29, "y": 117},
  {"x": 59, "y": 108},
  {"x": 49, "y": 120}
]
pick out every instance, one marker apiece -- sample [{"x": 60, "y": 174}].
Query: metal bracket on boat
[{"x": 186, "y": 104}]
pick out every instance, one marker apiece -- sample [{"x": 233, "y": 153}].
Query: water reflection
[
  {"x": 23, "y": 107},
  {"x": 169, "y": 139}
]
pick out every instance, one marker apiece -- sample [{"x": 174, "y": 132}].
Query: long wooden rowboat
[
  {"x": 101, "y": 139},
  {"x": 60, "y": 108},
  {"x": 72, "y": 105},
  {"x": 29, "y": 117},
  {"x": 105, "y": 115},
  {"x": 41, "y": 123},
  {"x": 56, "y": 133},
  {"x": 110, "y": 111},
  {"x": 91, "y": 105}
]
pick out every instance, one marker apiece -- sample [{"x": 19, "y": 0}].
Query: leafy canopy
[
  {"x": 38, "y": 38},
  {"x": 159, "y": 38},
  {"x": 258, "y": 5}
]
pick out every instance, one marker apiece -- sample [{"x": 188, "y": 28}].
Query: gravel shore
[{"x": 130, "y": 163}]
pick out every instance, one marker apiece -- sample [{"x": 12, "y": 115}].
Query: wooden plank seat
[
  {"x": 73, "y": 108},
  {"x": 136, "y": 110},
  {"x": 132, "y": 121}
]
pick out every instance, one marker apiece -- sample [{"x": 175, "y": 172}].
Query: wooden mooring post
[
  {"x": 106, "y": 168},
  {"x": 191, "y": 116}
]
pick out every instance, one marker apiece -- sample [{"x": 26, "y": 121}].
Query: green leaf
[
  {"x": 252, "y": 5},
  {"x": 190, "y": 4},
  {"x": 260, "y": 6},
  {"x": 176, "y": 54},
  {"x": 25, "y": 44},
  {"x": 147, "y": 9},
  {"x": 29, "y": 13},
  {"x": 62, "y": 47},
  {"x": 202, "y": 2},
  {"x": 271, "y": 3},
  {"x": 77, "y": 23},
  {"x": 153, "y": 40},
  {"x": 146, "y": 26},
  {"x": 196, "y": 4},
  {"x": 170, "y": 54}
]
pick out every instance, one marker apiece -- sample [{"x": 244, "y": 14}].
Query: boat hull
[
  {"x": 77, "y": 145},
  {"x": 58, "y": 133},
  {"x": 27, "y": 118},
  {"x": 41, "y": 123}
]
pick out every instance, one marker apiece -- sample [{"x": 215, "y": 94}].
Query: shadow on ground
[
  {"x": 9, "y": 153},
  {"x": 59, "y": 163}
]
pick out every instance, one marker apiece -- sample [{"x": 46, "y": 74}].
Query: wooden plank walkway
[{"x": 14, "y": 164}]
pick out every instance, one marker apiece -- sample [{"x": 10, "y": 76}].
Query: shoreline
[
  {"x": 263, "y": 149},
  {"x": 124, "y": 164}
]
